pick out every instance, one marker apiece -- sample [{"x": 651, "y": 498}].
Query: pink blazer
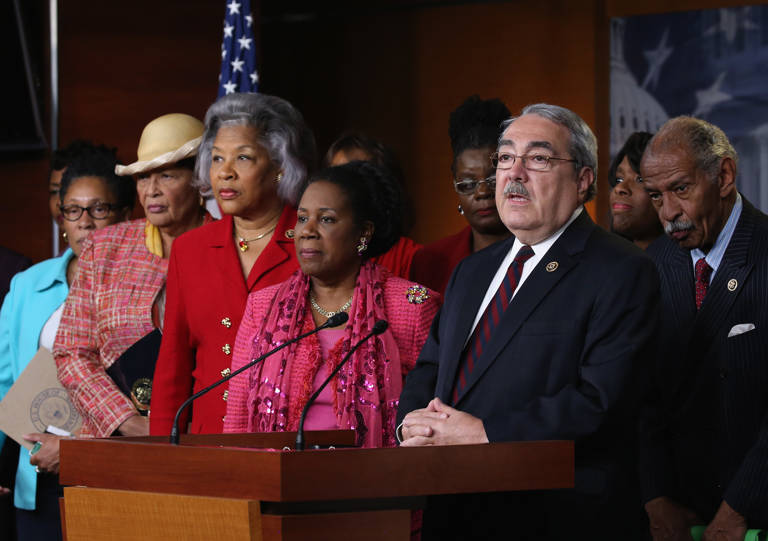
[{"x": 409, "y": 324}]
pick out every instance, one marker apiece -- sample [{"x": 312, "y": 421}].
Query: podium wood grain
[
  {"x": 283, "y": 495},
  {"x": 117, "y": 515}
]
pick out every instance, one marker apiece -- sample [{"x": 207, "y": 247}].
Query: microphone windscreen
[
  {"x": 380, "y": 326},
  {"x": 337, "y": 319}
]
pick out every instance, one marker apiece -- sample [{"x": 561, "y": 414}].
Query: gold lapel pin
[
  {"x": 732, "y": 284},
  {"x": 552, "y": 266},
  {"x": 289, "y": 233}
]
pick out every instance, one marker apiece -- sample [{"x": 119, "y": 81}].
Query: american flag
[{"x": 238, "y": 50}]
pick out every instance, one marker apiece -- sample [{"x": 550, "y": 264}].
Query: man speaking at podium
[{"x": 541, "y": 337}]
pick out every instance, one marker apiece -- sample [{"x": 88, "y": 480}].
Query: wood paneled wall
[
  {"x": 395, "y": 72},
  {"x": 121, "y": 64}
]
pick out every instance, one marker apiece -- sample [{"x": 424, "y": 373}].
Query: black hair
[
  {"x": 633, "y": 150},
  {"x": 476, "y": 123},
  {"x": 60, "y": 158},
  {"x": 99, "y": 161},
  {"x": 373, "y": 195},
  {"x": 381, "y": 155}
]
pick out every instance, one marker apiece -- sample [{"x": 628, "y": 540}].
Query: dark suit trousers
[
  {"x": 45, "y": 521},
  {"x": 532, "y": 516}
]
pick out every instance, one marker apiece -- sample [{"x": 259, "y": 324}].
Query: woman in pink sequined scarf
[{"x": 346, "y": 215}]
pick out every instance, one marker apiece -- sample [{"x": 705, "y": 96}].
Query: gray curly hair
[
  {"x": 282, "y": 132},
  {"x": 707, "y": 143}
]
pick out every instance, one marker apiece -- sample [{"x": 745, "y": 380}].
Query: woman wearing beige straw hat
[
  {"x": 255, "y": 157},
  {"x": 117, "y": 298}
]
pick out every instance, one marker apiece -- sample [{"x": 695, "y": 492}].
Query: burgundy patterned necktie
[
  {"x": 490, "y": 319},
  {"x": 703, "y": 272}
]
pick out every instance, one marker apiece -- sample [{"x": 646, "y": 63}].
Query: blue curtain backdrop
[{"x": 712, "y": 64}]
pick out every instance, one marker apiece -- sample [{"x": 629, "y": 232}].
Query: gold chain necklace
[
  {"x": 243, "y": 243},
  {"x": 326, "y": 313}
]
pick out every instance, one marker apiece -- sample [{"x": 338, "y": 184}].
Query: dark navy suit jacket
[
  {"x": 565, "y": 362},
  {"x": 705, "y": 431}
]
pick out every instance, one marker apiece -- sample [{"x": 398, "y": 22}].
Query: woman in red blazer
[{"x": 255, "y": 156}]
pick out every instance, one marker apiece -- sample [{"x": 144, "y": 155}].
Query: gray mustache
[
  {"x": 515, "y": 188},
  {"x": 677, "y": 226}
]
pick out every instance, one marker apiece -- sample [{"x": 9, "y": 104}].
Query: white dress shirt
[{"x": 540, "y": 249}]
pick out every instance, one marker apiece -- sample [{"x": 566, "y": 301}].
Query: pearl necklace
[
  {"x": 326, "y": 313},
  {"x": 243, "y": 243}
]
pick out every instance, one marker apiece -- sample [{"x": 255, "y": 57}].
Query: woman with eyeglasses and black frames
[
  {"x": 92, "y": 197},
  {"x": 475, "y": 127}
]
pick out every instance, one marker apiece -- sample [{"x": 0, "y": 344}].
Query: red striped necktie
[
  {"x": 703, "y": 272},
  {"x": 483, "y": 332}
]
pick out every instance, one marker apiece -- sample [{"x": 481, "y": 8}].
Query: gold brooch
[
  {"x": 552, "y": 266},
  {"x": 141, "y": 394},
  {"x": 290, "y": 233},
  {"x": 732, "y": 284},
  {"x": 417, "y": 294}
]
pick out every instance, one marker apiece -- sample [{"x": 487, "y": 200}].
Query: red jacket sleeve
[{"x": 172, "y": 383}]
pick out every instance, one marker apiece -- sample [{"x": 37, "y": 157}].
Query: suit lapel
[
  {"x": 469, "y": 298},
  {"x": 566, "y": 253},
  {"x": 221, "y": 241},
  {"x": 729, "y": 279},
  {"x": 276, "y": 251},
  {"x": 681, "y": 290}
]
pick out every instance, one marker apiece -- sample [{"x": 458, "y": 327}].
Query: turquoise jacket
[{"x": 34, "y": 295}]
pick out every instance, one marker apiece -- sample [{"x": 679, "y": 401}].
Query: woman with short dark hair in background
[
  {"x": 118, "y": 298},
  {"x": 91, "y": 197},
  {"x": 60, "y": 159},
  {"x": 475, "y": 127},
  {"x": 633, "y": 215},
  {"x": 255, "y": 157},
  {"x": 352, "y": 146}
]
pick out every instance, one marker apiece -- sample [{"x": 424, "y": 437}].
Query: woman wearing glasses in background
[
  {"x": 475, "y": 127},
  {"x": 91, "y": 197}
]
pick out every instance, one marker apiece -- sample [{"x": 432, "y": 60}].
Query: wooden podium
[{"x": 245, "y": 486}]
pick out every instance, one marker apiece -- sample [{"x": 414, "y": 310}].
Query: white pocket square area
[{"x": 741, "y": 328}]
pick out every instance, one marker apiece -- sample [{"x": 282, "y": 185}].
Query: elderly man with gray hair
[
  {"x": 704, "y": 452},
  {"x": 542, "y": 337}
]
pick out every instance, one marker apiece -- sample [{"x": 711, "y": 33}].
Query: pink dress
[{"x": 321, "y": 415}]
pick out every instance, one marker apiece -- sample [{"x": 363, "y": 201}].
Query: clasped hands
[
  {"x": 670, "y": 520},
  {"x": 440, "y": 424}
]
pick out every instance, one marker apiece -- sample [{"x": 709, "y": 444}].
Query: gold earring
[
  {"x": 461, "y": 210},
  {"x": 64, "y": 235},
  {"x": 279, "y": 178},
  {"x": 363, "y": 246}
]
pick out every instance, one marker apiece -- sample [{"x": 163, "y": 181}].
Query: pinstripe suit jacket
[{"x": 705, "y": 432}]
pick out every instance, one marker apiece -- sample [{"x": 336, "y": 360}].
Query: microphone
[
  {"x": 379, "y": 327},
  {"x": 333, "y": 321}
]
